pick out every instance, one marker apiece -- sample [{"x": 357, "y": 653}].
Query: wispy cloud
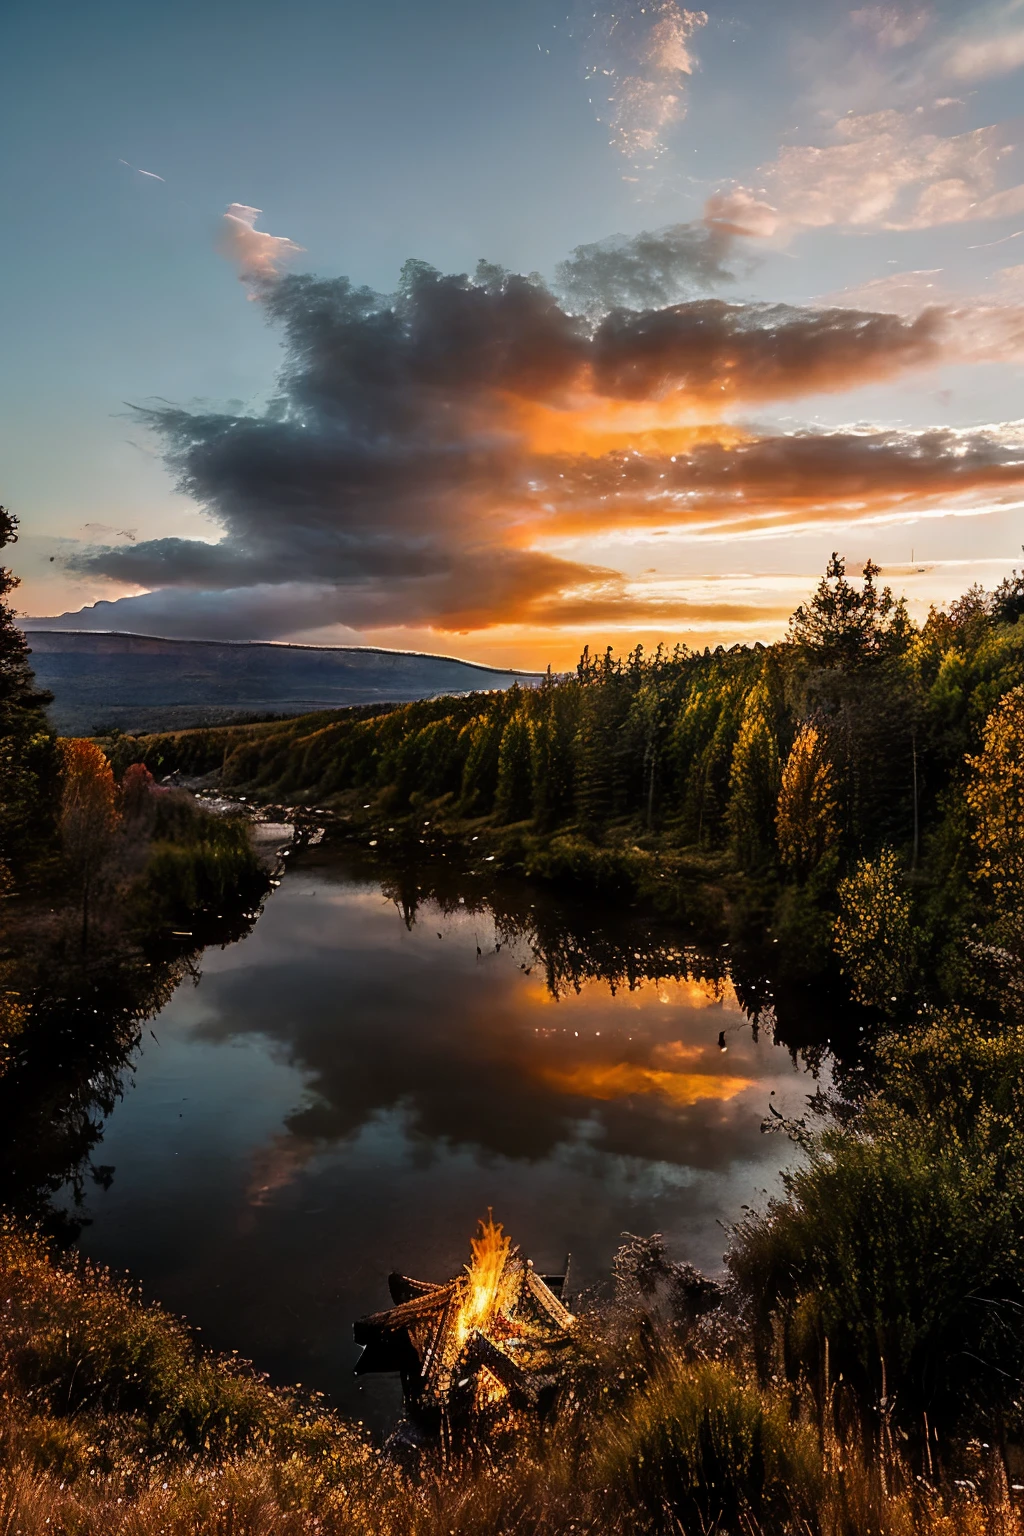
[
  {"x": 259, "y": 257},
  {"x": 891, "y": 26},
  {"x": 988, "y": 42},
  {"x": 140, "y": 172},
  {"x": 970, "y": 328},
  {"x": 639, "y": 56},
  {"x": 883, "y": 170}
]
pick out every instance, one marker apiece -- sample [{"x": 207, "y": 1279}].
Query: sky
[{"x": 499, "y": 330}]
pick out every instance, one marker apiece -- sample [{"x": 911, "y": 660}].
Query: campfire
[{"x": 487, "y": 1341}]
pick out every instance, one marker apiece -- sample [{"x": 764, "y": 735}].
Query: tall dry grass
[{"x": 114, "y": 1423}]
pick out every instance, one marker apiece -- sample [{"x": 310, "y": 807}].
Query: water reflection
[{"x": 348, "y": 1089}]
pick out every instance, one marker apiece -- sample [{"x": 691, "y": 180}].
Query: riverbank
[
  {"x": 831, "y": 1388},
  {"x": 113, "y": 1420}
]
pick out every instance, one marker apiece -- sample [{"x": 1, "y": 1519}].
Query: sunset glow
[{"x": 655, "y": 435}]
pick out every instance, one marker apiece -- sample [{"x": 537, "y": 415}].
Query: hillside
[{"x": 142, "y": 682}]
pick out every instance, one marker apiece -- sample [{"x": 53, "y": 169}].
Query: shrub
[
  {"x": 209, "y": 863},
  {"x": 899, "y": 1241}
]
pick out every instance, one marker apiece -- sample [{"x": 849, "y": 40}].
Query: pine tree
[
  {"x": 552, "y": 749},
  {"x": 480, "y": 771},
  {"x": 594, "y": 754},
  {"x": 19, "y": 696},
  {"x": 27, "y": 765},
  {"x": 846, "y": 628}
]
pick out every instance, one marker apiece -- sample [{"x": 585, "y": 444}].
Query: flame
[
  {"x": 488, "y": 1389},
  {"x": 491, "y": 1251}
]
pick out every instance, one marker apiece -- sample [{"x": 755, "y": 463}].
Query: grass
[{"x": 113, "y": 1422}]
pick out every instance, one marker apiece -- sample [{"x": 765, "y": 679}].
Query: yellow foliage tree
[
  {"x": 13, "y": 1012},
  {"x": 88, "y": 813},
  {"x": 806, "y": 819},
  {"x": 754, "y": 781},
  {"x": 995, "y": 795},
  {"x": 874, "y": 933}
]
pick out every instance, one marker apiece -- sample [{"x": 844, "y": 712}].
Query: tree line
[{"x": 849, "y": 773}]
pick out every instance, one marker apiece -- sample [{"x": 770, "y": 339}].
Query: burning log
[{"x": 487, "y": 1341}]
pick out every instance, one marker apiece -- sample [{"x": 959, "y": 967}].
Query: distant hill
[{"x": 144, "y": 683}]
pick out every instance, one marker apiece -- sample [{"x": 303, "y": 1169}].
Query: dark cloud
[
  {"x": 802, "y": 476},
  {"x": 247, "y": 613},
  {"x": 646, "y": 271},
  {"x": 423, "y": 444},
  {"x": 712, "y": 352}
]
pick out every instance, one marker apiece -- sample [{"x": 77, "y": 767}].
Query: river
[{"x": 348, "y": 1088}]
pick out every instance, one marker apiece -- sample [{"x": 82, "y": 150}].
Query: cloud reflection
[{"x": 476, "y": 1054}]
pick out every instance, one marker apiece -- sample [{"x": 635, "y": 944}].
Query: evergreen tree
[
  {"x": 646, "y": 730},
  {"x": 480, "y": 773},
  {"x": 1008, "y": 599},
  {"x": 846, "y": 628},
  {"x": 700, "y": 749},
  {"x": 20, "y": 699},
  {"x": 27, "y": 765},
  {"x": 514, "y": 793},
  {"x": 594, "y": 750},
  {"x": 553, "y": 753}
]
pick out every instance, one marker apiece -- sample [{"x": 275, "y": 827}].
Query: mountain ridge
[{"x": 136, "y": 682}]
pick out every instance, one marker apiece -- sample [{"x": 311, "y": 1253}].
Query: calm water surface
[{"x": 346, "y": 1090}]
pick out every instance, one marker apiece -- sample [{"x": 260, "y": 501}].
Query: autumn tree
[
  {"x": 754, "y": 781},
  {"x": 88, "y": 815},
  {"x": 875, "y": 937},
  {"x": 806, "y": 818},
  {"x": 995, "y": 798},
  {"x": 138, "y": 792}
]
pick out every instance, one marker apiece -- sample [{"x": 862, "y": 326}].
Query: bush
[
  {"x": 196, "y": 862},
  {"x": 576, "y": 861},
  {"x": 715, "y": 1449},
  {"x": 899, "y": 1241}
]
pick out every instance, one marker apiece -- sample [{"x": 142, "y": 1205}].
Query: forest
[
  {"x": 853, "y": 794},
  {"x": 852, "y": 790}
]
